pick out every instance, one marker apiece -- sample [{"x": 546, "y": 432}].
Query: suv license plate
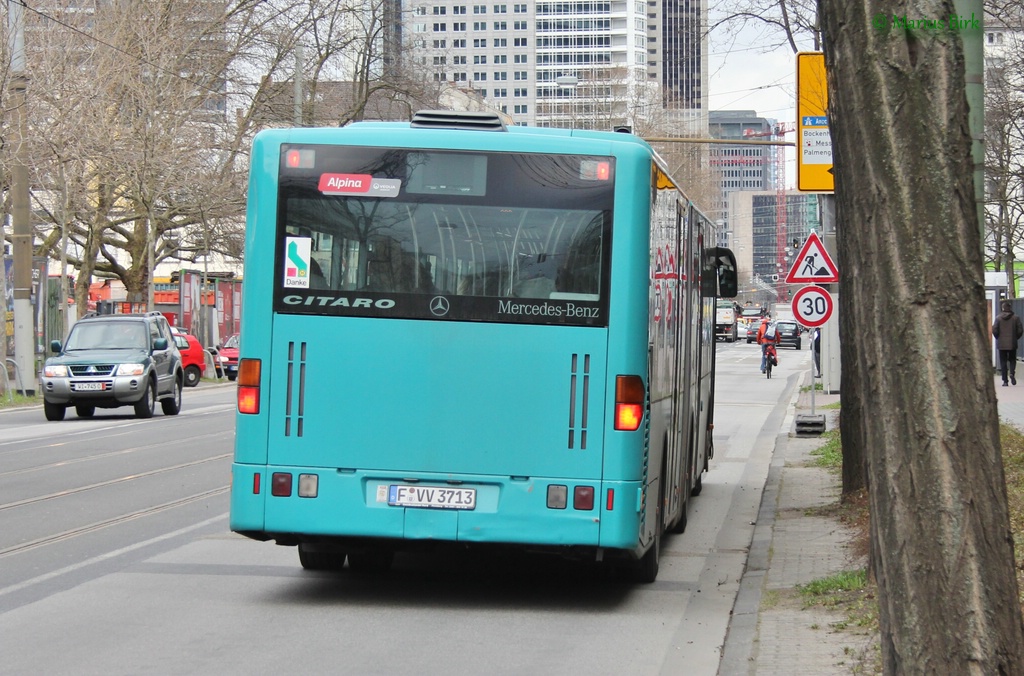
[
  {"x": 435, "y": 497},
  {"x": 89, "y": 387}
]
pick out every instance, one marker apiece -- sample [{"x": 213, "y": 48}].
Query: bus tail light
[
  {"x": 583, "y": 498},
  {"x": 629, "y": 402},
  {"x": 281, "y": 484},
  {"x": 249, "y": 386}
]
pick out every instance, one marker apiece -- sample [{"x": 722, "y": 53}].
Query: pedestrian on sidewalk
[{"x": 1007, "y": 330}]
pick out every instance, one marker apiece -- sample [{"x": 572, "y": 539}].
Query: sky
[{"x": 748, "y": 72}]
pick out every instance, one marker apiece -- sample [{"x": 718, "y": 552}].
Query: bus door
[{"x": 681, "y": 412}]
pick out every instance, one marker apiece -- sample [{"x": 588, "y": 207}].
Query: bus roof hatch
[{"x": 451, "y": 119}]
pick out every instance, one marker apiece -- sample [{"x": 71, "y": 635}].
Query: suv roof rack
[
  {"x": 93, "y": 314},
  {"x": 451, "y": 119}
]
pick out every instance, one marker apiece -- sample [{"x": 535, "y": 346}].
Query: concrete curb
[{"x": 741, "y": 637}]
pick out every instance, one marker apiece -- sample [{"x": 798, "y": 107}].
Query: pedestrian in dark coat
[{"x": 1007, "y": 330}]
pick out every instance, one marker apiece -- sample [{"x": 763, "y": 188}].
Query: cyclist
[{"x": 767, "y": 335}]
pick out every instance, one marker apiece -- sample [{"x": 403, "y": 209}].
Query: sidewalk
[
  {"x": 770, "y": 632},
  {"x": 1011, "y": 401}
]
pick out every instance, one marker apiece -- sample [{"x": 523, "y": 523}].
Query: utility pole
[
  {"x": 24, "y": 350},
  {"x": 3, "y": 295},
  {"x": 297, "y": 85}
]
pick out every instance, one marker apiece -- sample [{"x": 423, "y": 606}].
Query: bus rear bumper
[{"x": 355, "y": 504}]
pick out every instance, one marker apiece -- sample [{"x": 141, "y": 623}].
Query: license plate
[
  {"x": 435, "y": 497},
  {"x": 89, "y": 387}
]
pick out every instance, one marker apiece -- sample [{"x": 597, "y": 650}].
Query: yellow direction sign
[{"x": 814, "y": 144}]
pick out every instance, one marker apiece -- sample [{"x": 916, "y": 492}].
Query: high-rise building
[
  {"x": 678, "y": 52},
  {"x": 568, "y": 63},
  {"x": 754, "y": 238},
  {"x": 741, "y": 166}
]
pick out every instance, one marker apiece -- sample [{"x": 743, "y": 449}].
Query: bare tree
[
  {"x": 123, "y": 133},
  {"x": 1004, "y": 137},
  {"x": 918, "y": 371},
  {"x": 778, "y": 22},
  {"x": 1004, "y": 168}
]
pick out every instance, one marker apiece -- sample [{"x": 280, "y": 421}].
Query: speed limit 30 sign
[{"x": 812, "y": 305}]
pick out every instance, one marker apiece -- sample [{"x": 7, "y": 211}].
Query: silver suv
[{"x": 114, "y": 360}]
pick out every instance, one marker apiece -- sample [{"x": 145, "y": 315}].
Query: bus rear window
[{"x": 495, "y": 237}]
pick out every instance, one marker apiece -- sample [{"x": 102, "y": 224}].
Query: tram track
[
  {"x": 109, "y": 482},
  {"x": 111, "y": 454},
  {"x": 107, "y": 523}
]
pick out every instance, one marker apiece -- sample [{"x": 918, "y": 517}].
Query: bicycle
[{"x": 770, "y": 360}]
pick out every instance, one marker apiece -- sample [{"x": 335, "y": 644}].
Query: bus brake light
[
  {"x": 248, "y": 400},
  {"x": 249, "y": 386},
  {"x": 595, "y": 170},
  {"x": 629, "y": 402},
  {"x": 300, "y": 159}
]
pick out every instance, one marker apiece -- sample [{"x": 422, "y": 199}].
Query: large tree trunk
[
  {"x": 915, "y": 342},
  {"x": 85, "y": 270}
]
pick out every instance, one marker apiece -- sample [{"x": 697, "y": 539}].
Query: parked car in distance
[
  {"x": 193, "y": 356},
  {"x": 114, "y": 360},
  {"x": 789, "y": 334},
  {"x": 229, "y": 356}
]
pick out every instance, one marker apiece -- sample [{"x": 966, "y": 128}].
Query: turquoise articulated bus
[{"x": 458, "y": 333}]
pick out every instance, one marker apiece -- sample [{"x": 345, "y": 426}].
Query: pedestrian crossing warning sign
[{"x": 813, "y": 265}]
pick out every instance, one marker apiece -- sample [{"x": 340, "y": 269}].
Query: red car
[
  {"x": 193, "y": 356},
  {"x": 229, "y": 356}
]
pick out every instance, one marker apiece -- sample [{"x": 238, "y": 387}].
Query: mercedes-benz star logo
[{"x": 439, "y": 306}]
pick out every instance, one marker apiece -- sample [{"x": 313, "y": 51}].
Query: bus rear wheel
[
  {"x": 371, "y": 561},
  {"x": 313, "y": 558},
  {"x": 645, "y": 570}
]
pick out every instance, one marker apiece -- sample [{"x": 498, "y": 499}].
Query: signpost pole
[
  {"x": 812, "y": 306},
  {"x": 814, "y": 378}
]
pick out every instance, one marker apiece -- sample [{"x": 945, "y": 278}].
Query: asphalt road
[{"x": 115, "y": 558}]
